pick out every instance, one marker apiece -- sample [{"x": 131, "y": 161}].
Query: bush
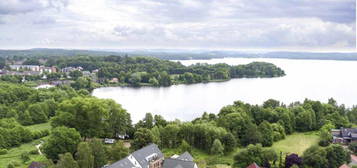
[
  {"x": 13, "y": 164},
  {"x": 3, "y": 151},
  {"x": 17, "y": 164},
  {"x": 353, "y": 147},
  {"x": 10, "y": 165},
  {"x": 40, "y": 134},
  {"x": 34, "y": 152},
  {"x": 25, "y": 156}
]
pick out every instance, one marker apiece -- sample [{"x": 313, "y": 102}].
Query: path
[{"x": 38, "y": 148}]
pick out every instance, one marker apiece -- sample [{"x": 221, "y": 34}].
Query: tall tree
[
  {"x": 336, "y": 155},
  {"x": 142, "y": 137},
  {"x": 169, "y": 136},
  {"x": 98, "y": 150},
  {"x": 251, "y": 135},
  {"x": 315, "y": 156},
  {"x": 148, "y": 121},
  {"x": 185, "y": 147},
  {"x": 38, "y": 113},
  {"x": 66, "y": 161},
  {"x": 118, "y": 151},
  {"x": 217, "y": 147},
  {"x": 92, "y": 117},
  {"x": 266, "y": 131},
  {"x": 61, "y": 140},
  {"x": 84, "y": 155},
  {"x": 119, "y": 120},
  {"x": 229, "y": 142},
  {"x": 254, "y": 153}
]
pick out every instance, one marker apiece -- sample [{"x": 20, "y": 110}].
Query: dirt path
[{"x": 38, "y": 148}]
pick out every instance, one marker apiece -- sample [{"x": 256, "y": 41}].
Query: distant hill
[{"x": 171, "y": 54}]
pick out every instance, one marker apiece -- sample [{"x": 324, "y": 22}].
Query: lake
[{"x": 313, "y": 79}]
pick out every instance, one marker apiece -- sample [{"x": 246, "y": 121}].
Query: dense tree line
[
  {"x": 14, "y": 134},
  {"x": 32, "y": 106},
  {"x": 78, "y": 119},
  {"x": 92, "y": 117},
  {"x": 136, "y": 71},
  {"x": 243, "y": 124}
]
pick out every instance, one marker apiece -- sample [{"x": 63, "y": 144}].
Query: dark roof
[
  {"x": 185, "y": 156},
  {"x": 177, "y": 163},
  {"x": 347, "y": 131},
  {"x": 253, "y": 165},
  {"x": 143, "y": 156},
  {"x": 124, "y": 163}
]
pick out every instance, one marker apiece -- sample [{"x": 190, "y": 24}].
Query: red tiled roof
[{"x": 253, "y": 165}]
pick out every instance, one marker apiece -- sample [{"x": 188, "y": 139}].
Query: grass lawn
[
  {"x": 39, "y": 127},
  {"x": 14, "y": 154},
  {"x": 296, "y": 143}
]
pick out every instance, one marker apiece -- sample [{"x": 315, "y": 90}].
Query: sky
[{"x": 316, "y": 25}]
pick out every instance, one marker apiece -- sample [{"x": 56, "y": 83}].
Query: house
[
  {"x": 147, "y": 157},
  {"x": 109, "y": 141},
  {"x": 344, "y": 135},
  {"x": 48, "y": 69},
  {"x": 70, "y": 69},
  {"x": 253, "y": 165},
  {"x": 86, "y": 73},
  {"x": 35, "y": 68},
  {"x": 184, "y": 160},
  {"x": 114, "y": 80}
]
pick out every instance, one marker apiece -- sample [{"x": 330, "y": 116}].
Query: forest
[
  {"x": 147, "y": 71},
  {"x": 79, "y": 121},
  {"x": 136, "y": 71}
]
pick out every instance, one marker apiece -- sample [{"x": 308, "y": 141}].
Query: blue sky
[{"x": 204, "y": 24}]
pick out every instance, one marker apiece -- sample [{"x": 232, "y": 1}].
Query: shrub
[
  {"x": 40, "y": 134},
  {"x": 3, "y": 151},
  {"x": 10, "y": 165},
  {"x": 34, "y": 152},
  {"x": 353, "y": 147},
  {"x": 25, "y": 156},
  {"x": 13, "y": 164}
]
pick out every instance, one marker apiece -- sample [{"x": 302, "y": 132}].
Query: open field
[
  {"x": 39, "y": 127},
  {"x": 296, "y": 143}
]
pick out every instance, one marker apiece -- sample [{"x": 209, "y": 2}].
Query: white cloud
[{"x": 178, "y": 24}]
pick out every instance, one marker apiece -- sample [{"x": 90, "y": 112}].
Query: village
[{"x": 47, "y": 75}]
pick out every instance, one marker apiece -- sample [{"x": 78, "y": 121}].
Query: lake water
[{"x": 313, "y": 79}]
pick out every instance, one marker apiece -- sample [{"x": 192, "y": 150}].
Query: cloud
[
  {"x": 25, "y": 6},
  {"x": 179, "y": 23},
  {"x": 44, "y": 20}
]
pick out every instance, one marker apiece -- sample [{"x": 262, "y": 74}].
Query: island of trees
[
  {"x": 137, "y": 71},
  {"x": 238, "y": 135}
]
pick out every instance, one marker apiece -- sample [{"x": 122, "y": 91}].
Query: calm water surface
[{"x": 313, "y": 79}]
